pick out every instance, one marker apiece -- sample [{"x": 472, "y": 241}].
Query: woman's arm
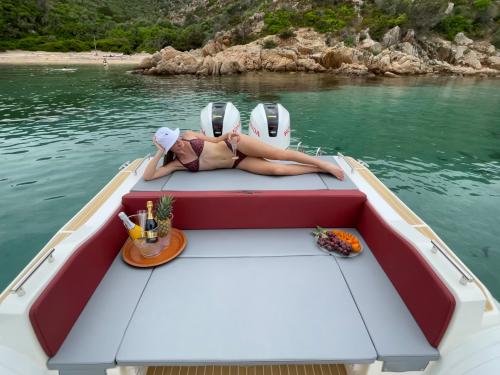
[
  {"x": 150, "y": 173},
  {"x": 192, "y": 134}
]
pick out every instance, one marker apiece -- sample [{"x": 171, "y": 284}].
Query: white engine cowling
[
  {"x": 270, "y": 123},
  {"x": 219, "y": 118}
]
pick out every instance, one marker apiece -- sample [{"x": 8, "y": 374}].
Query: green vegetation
[
  {"x": 379, "y": 22},
  {"x": 149, "y": 25},
  {"x": 286, "y": 34},
  {"x": 269, "y": 44},
  {"x": 452, "y": 25},
  {"x": 320, "y": 19},
  {"x": 112, "y": 25}
]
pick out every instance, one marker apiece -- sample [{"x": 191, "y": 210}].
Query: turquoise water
[{"x": 434, "y": 142}]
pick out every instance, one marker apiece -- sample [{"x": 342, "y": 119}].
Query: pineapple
[{"x": 164, "y": 215}]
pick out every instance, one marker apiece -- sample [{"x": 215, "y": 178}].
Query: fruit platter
[{"x": 337, "y": 242}]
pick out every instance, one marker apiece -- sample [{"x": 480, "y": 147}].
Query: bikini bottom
[{"x": 240, "y": 154}]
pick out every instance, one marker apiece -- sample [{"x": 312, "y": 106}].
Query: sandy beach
[{"x": 70, "y": 58}]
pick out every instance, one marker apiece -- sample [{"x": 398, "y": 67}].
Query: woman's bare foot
[{"x": 336, "y": 171}]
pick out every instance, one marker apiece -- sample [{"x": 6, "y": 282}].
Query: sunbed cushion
[
  {"x": 57, "y": 308},
  {"x": 425, "y": 295},
  {"x": 257, "y": 209}
]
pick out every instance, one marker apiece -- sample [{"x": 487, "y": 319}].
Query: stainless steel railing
[
  {"x": 140, "y": 164},
  {"x": 466, "y": 276},
  {"x": 18, "y": 287}
]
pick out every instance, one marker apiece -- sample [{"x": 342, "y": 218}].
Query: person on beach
[{"x": 197, "y": 152}]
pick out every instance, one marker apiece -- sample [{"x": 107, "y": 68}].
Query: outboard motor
[
  {"x": 220, "y": 118},
  {"x": 270, "y": 123}
]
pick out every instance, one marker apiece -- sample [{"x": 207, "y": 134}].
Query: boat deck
[{"x": 263, "y": 301}]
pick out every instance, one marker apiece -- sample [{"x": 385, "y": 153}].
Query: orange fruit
[{"x": 349, "y": 238}]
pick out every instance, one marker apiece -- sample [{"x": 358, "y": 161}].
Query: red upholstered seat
[
  {"x": 258, "y": 209},
  {"x": 57, "y": 308},
  {"x": 428, "y": 299}
]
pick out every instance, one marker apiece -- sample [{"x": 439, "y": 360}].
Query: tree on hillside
[
  {"x": 425, "y": 14},
  {"x": 421, "y": 14}
]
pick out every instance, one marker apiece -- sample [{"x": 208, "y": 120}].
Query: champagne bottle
[
  {"x": 151, "y": 235},
  {"x": 134, "y": 230}
]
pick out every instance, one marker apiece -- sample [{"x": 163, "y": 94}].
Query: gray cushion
[
  {"x": 154, "y": 185},
  {"x": 250, "y": 243},
  {"x": 95, "y": 337},
  {"x": 246, "y": 310},
  {"x": 333, "y": 183},
  {"x": 238, "y": 180},
  {"x": 403, "y": 347}
]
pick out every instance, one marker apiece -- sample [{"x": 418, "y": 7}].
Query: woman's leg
[
  {"x": 253, "y": 147},
  {"x": 264, "y": 167}
]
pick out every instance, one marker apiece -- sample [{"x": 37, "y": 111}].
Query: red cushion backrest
[
  {"x": 261, "y": 209},
  {"x": 57, "y": 308},
  {"x": 425, "y": 295}
]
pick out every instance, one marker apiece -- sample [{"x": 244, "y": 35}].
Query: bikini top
[{"x": 197, "y": 146}]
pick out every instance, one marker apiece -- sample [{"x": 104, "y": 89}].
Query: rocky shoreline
[{"x": 309, "y": 51}]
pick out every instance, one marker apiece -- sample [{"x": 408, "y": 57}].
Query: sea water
[{"x": 434, "y": 141}]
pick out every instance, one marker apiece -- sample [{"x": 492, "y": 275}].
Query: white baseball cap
[{"x": 166, "y": 137}]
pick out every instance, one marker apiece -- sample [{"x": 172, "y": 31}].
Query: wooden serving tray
[{"x": 132, "y": 256}]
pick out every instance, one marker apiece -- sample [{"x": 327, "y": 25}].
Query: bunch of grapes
[{"x": 331, "y": 242}]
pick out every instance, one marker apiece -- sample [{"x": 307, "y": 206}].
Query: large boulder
[
  {"x": 396, "y": 62},
  {"x": 208, "y": 67},
  {"x": 471, "y": 59},
  {"x": 306, "y": 42},
  {"x": 494, "y": 62},
  {"x": 391, "y": 37},
  {"x": 168, "y": 53},
  {"x": 445, "y": 52},
  {"x": 230, "y": 67},
  {"x": 462, "y": 40},
  {"x": 458, "y": 53},
  {"x": 435, "y": 48},
  {"x": 150, "y": 62},
  {"x": 279, "y": 60},
  {"x": 248, "y": 57},
  {"x": 408, "y": 49},
  {"x": 483, "y": 47},
  {"x": 180, "y": 63},
  {"x": 334, "y": 57},
  {"x": 352, "y": 69},
  {"x": 309, "y": 65},
  {"x": 409, "y": 36},
  {"x": 371, "y": 45},
  {"x": 211, "y": 48}
]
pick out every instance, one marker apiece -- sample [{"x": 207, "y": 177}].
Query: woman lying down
[{"x": 197, "y": 152}]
